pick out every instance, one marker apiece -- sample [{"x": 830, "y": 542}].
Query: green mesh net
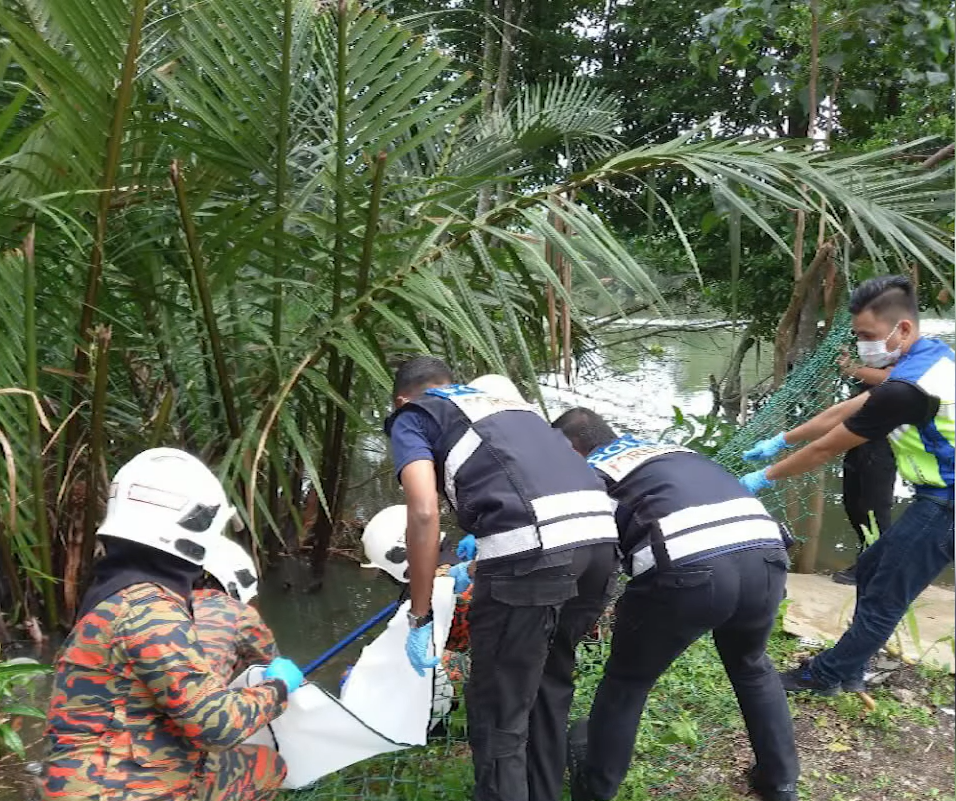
[
  {"x": 441, "y": 770},
  {"x": 810, "y": 388}
]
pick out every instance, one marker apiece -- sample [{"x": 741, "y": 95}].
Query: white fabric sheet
[{"x": 385, "y": 705}]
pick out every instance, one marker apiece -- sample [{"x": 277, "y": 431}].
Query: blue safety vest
[{"x": 924, "y": 453}]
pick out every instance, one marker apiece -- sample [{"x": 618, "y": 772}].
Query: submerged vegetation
[{"x": 221, "y": 224}]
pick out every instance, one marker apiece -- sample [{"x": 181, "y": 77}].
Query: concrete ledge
[{"x": 820, "y": 608}]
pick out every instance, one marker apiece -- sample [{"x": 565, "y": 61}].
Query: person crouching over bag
[
  {"x": 231, "y": 632},
  {"x": 136, "y": 708}
]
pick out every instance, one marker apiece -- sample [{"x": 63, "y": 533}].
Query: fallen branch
[{"x": 939, "y": 156}]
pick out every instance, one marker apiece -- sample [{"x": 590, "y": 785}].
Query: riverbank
[{"x": 693, "y": 747}]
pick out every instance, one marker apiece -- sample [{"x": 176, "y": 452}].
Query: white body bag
[{"x": 385, "y": 706}]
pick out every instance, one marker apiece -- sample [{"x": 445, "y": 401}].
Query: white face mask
[{"x": 875, "y": 354}]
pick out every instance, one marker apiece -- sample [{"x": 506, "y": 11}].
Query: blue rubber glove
[
  {"x": 467, "y": 548},
  {"x": 766, "y": 449},
  {"x": 286, "y": 671},
  {"x": 757, "y": 480},
  {"x": 460, "y": 574},
  {"x": 416, "y": 648}
]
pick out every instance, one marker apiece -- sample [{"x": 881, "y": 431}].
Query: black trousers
[
  {"x": 659, "y": 615},
  {"x": 869, "y": 473},
  {"x": 526, "y": 617}
]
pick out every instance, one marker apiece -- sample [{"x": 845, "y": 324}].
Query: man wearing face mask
[{"x": 914, "y": 407}]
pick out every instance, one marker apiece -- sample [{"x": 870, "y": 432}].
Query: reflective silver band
[
  {"x": 548, "y": 537},
  {"x": 708, "y": 539},
  {"x": 460, "y": 453},
  {"x": 710, "y": 514}
]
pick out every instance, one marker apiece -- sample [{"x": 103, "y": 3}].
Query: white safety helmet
[
  {"x": 228, "y": 563},
  {"x": 166, "y": 499},
  {"x": 498, "y": 386},
  {"x": 384, "y": 542}
]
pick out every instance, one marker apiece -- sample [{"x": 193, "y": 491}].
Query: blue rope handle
[{"x": 350, "y": 638}]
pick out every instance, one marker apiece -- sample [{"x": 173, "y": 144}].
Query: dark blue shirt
[{"x": 414, "y": 436}]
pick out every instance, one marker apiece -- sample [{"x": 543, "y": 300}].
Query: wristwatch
[{"x": 417, "y": 621}]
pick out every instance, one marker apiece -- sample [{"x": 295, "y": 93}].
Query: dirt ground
[{"x": 903, "y": 750}]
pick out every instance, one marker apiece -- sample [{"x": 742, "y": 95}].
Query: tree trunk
[
  {"x": 607, "y": 51},
  {"x": 504, "y": 54},
  {"x": 814, "y": 67},
  {"x": 730, "y": 386},
  {"x": 812, "y": 521},
  {"x": 487, "y": 87},
  {"x": 788, "y": 326},
  {"x": 805, "y": 341}
]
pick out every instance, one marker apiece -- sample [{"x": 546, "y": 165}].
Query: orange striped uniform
[
  {"x": 136, "y": 711},
  {"x": 232, "y": 634}
]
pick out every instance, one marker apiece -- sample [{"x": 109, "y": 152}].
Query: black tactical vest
[
  {"x": 676, "y": 506},
  {"x": 514, "y": 482}
]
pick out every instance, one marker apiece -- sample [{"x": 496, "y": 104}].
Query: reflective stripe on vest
[
  {"x": 715, "y": 539},
  {"x": 542, "y": 497},
  {"x": 924, "y": 454},
  {"x": 551, "y": 536}
]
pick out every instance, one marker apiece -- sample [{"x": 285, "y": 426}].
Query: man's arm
[
  {"x": 871, "y": 376},
  {"x": 826, "y": 421},
  {"x": 888, "y": 406},
  {"x": 836, "y": 441},
  {"x": 255, "y": 644},
  {"x": 159, "y": 647},
  {"x": 421, "y": 534}
]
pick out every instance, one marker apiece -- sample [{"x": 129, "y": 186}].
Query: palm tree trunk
[
  {"x": 114, "y": 147},
  {"x": 205, "y": 299},
  {"x": 487, "y": 87},
  {"x": 37, "y": 478},
  {"x": 97, "y": 449}
]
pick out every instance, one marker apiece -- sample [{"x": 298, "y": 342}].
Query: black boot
[
  {"x": 577, "y": 753},
  {"x": 801, "y": 680},
  {"x": 847, "y": 576},
  {"x": 771, "y": 792}
]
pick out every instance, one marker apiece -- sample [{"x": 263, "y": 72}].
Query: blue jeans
[{"x": 890, "y": 575}]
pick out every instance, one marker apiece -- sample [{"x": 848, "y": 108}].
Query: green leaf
[
  {"x": 862, "y": 97},
  {"x": 938, "y": 78},
  {"x": 709, "y": 221},
  {"x": 761, "y": 86},
  {"x": 834, "y": 61},
  {"x": 23, "y": 710},
  {"x": 11, "y": 740},
  {"x": 683, "y": 731}
]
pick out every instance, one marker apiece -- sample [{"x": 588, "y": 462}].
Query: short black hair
[
  {"x": 889, "y": 297},
  {"x": 585, "y": 429},
  {"x": 417, "y": 373}
]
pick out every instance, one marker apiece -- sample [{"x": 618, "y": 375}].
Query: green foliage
[
  {"x": 923, "y": 111},
  {"x": 706, "y": 434},
  {"x": 325, "y": 223},
  {"x": 17, "y": 684},
  {"x": 869, "y": 53}
]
